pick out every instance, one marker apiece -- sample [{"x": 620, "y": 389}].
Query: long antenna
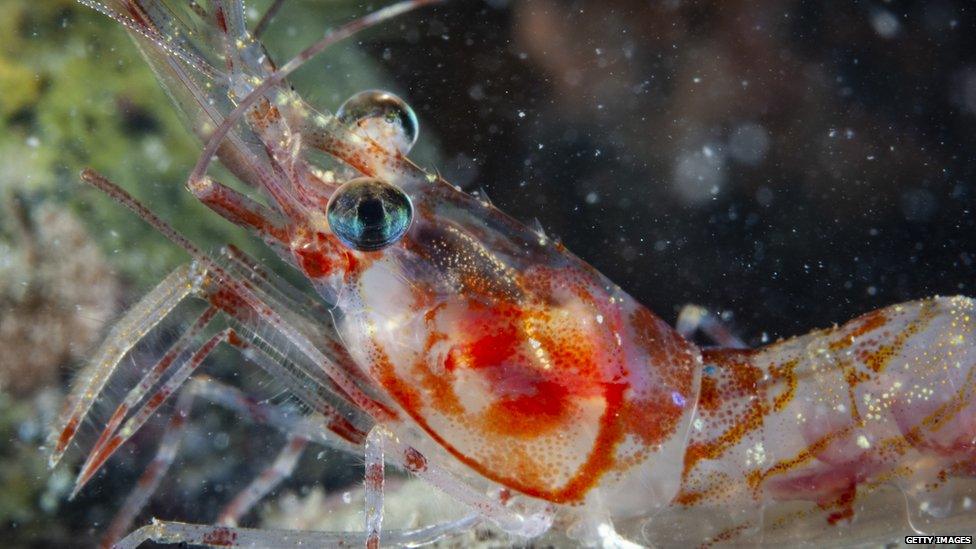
[
  {"x": 339, "y": 34},
  {"x": 119, "y": 195}
]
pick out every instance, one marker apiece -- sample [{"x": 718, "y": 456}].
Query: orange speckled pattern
[{"x": 886, "y": 399}]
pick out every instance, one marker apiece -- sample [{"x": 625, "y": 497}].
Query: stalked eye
[
  {"x": 368, "y": 214},
  {"x": 383, "y": 117}
]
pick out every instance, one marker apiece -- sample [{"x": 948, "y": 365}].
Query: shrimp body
[
  {"x": 518, "y": 359},
  {"x": 797, "y": 441},
  {"x": 504, "y": 360}
]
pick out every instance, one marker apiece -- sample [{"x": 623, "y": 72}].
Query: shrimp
[{"x": 452, "y": 341}]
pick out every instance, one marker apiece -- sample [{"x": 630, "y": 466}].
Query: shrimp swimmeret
[{"x": 474, "y": 352}]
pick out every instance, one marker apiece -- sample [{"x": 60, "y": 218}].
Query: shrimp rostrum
[{"x": 448, "y": 339}]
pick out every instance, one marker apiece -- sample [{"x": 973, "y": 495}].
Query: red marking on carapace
[
  {"x": 221, "y": 537},
  {"x": 414, "y": 461},
  {"x": 541, "y": 371},
  {"x": 314, "y": 263},
  {"x": 322, "y": 255},
  {"x": 504, "y": 496},
  {"x": 600, "y": 460},
  {"x": 654, "y": 415}
]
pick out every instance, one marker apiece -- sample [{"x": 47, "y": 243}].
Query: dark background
[{"x": 863, "y": 197}]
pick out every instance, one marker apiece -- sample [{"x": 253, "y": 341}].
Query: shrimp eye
[
  {"x": 369, "y": 214},
  {"x": 383, "y": 117}
]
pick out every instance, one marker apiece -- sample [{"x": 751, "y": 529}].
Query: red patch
[
  {"x": 221, "y": 19},
  {"x": 67, "y": 434},
  {"x": 221, "y": 537},
  {"x": 414, "y": 461},
  {"x": 374, "y": 476}
]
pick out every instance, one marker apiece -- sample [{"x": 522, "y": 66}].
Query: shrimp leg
[
  {"x": 133, "y": 327},
  {"x": 375, "y": 473},
  {"x": 98, "y": 456},
  {"x": 224, "y": 536},
  {"x": 692, "y": 318},
  {"x": 266, "y": 19},
  {"x": 269, "y": 479},
  {"x": 299, "y": 430}
]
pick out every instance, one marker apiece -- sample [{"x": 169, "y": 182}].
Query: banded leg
[
  {"x": 268, "y": 480},
  {"x": 178, "y": 373},
  {"x": 133, "y": 327},
  {"x": 152, "y": 376},
  {"x": 98, "y": 455},
  {"x": 375, "y": 476},
  {"x": 692, "y": 318},
  {"x": 316, "y": 429},
  {"x": 239, "y": 301},
  {"x": 300, "y": 430}
]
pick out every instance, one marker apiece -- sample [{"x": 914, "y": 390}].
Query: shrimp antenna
[
  {"x": 137, "y": 24},
  {"x": 119, "y": 195},
  {"x": 333, "y": 36},
  {"x": 266, "y": 18}
]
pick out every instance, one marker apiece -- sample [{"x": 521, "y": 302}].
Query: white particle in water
[
  {"x": 749, "y": 143},
  {"x": 885, "y": 23}
]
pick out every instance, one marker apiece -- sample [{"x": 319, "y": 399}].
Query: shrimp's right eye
[{"x": 368, "y": 214}]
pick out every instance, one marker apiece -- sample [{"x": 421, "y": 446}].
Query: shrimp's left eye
[{"x": 369, "y": 214}]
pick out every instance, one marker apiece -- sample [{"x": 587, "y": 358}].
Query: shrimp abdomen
[{"x": 810, "y": 429}]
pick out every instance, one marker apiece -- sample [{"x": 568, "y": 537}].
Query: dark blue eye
[{"x": 368, "y": 214}]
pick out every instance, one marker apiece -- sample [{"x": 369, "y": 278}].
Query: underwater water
[{"x": 788, "y": 164}]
